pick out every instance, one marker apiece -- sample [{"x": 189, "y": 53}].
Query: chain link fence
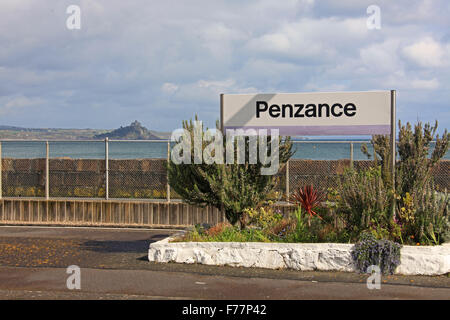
[
  {"x": 144, "y": 177},
  {"x": 77, "y": 175},
  {"x": 22, "y": 175},
  {"x": 308, "y": 166},
  {"x": 136, "y": 169}
]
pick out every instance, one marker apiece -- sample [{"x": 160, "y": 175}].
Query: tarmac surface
[{"x": 114, "y": 265}]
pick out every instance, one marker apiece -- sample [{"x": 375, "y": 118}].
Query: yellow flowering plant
[{"x": 263, "y": 217}]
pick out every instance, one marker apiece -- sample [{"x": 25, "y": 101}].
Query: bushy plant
[
  {"x": 386, "y": 229},
  {"x": 224, "y": 233},
  {"x": 383, "y": 253},
  {"x": 217, "y": 229},
  {"x": 195, "y": 234},
  {"x": 262, "y": 217},
  {"x": 430, "y": 221},
  {"x": 300, "y": 232},
  {"x": 235, "y": 234},
  {"x": 329, "y": 233},
  {"x": 281, "y": 229},
  {"x": 421, "y": 213},
  {"x": 415, "y": 158},
  {"x": 276, "y": 229},
  {"x": 228, "y": 187},
  {"x": 363, "y": 199}
]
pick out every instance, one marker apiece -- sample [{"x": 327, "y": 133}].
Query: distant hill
[
  {"x": 11, "y": 128},
  {"x": 135, "y": 131}
]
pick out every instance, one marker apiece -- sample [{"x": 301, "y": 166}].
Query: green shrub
[
  {"x": 421, "y": 214},
  {"x": 227, "y": 233},
  {"x": 281, "y": 229},
  {"x": 302, "y": 231},
  {"x": 430, "y": 223},
  {"x": 235, "y": 234},
  {"x": 228, "y": 187},
  {"x": 293, "y": 229},
  {"x": 363, "y": 199},
  {"x": 262, "y": 217}
]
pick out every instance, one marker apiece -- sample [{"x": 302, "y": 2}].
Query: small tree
[{"x": 228, "y": 187}]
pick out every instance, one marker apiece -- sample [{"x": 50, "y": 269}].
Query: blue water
[{"x": 140, "y": 150}]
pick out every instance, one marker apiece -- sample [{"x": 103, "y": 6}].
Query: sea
[{"x": 304, "y": 149}]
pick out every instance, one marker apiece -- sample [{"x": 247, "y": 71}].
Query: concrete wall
[{"x": 429, "y": 260}]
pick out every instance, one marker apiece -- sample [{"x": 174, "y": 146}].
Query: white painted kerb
[{"x": 299, "y": 256}]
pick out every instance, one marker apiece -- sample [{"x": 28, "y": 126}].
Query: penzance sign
[{"x": 328, "y": 113}]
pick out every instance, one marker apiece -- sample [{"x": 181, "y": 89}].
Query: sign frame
[{"x": 392, "y": 132}]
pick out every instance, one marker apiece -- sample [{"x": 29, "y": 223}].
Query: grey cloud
[{"x": 114, "y": 68}]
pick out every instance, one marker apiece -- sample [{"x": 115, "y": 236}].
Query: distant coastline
[{"x": 135, "y": 131}]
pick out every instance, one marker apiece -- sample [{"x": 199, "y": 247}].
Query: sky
[{"x": 160, "y": 62}]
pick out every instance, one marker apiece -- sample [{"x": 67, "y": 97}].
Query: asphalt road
[{"x": 114, "y": 265}]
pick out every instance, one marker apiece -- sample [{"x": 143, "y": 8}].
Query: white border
[{"x": 420, "y": 260}]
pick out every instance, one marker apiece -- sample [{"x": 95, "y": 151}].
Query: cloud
[
  {"x": 425, "y": 84},
  {"x": 428, "y": 53},
  {"x": 207, "y": 91},
  {"x": 169, "y": 88},
  {"x": 310, "y": 39},
  {"x": 381, "y": 58},
  {"x": 162, "y": 62},
  {"x": 16, "y": 104}
]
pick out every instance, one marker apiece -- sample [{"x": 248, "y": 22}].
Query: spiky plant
[
  {"x": 414, "y": 188},
  {"x": 309, "y": 199},
  {"x": 415, "y": 161}
]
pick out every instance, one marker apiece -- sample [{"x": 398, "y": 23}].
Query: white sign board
[{"x": 333, "y": 113}]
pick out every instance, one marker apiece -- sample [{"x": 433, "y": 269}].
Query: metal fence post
[
  {"x": 1, "y": 169},
  {"x": 393, "y": 145},
  {"x": 167, "y": 172},
  {"x": 351, "y": 154},
  {"x": 106, "y": 168},
  {"x": 287, "y": 180},
  {"x": 47, "y": 171}
]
